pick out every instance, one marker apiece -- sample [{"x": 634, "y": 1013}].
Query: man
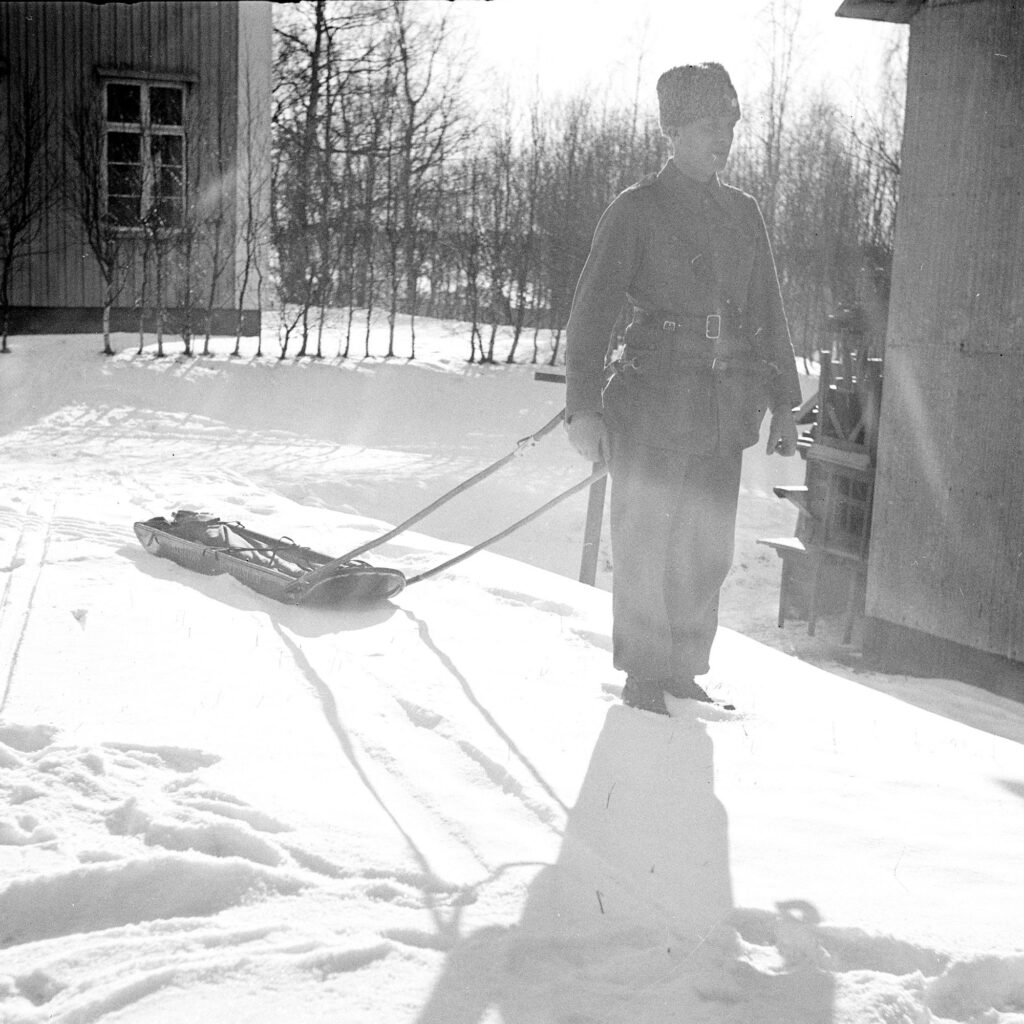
[{"x": 707, "y": 352}]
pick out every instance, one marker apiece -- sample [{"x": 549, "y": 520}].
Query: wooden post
[
  {"x": 592, "y": 530},
  {"x": 595, "y": 503}
]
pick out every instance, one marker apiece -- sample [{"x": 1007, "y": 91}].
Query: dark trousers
[{"x": 673, "y": 523}]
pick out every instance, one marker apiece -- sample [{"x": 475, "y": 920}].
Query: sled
[
  {"x": 270, "y": 565},
  {"x": 286, "y": 571}
]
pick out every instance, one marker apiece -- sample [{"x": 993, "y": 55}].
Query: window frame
[{"x": 147, "y": 132}]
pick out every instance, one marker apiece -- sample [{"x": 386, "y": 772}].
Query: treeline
[{"x": 393, "y": 192}]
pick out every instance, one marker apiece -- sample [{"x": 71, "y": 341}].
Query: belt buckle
[
  {"x": 669, "y": 325},
  {"x": 713, "y": 323}
]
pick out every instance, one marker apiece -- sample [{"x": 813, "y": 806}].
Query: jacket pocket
[
  {"x": 671, "y": 412},
  {"x": 742, "y": 400}
]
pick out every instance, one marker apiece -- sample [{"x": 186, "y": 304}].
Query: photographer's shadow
[{"x": 634, "y": 921}]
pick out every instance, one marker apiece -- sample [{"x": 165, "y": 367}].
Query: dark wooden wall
[
  {"x": 60, "y": 46},
  {"x": 947, "y": 549}
]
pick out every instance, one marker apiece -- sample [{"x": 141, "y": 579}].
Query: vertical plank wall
[
  {"x": 947, "y": 550},
  {"x": 61, "y": 46}
]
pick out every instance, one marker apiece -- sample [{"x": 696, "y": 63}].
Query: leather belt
[
  {"x": 714, "y": 364},
  {"x": 708, "y": 325}
]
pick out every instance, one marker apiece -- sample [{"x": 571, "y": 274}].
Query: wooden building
[
  {"x": 181, "y": 96},
  {"x": 946, "y": 562}
]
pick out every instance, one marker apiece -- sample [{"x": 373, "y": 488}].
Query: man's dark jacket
[{"x": 680, "y": 251}]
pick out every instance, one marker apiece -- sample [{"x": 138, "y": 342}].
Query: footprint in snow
[
  {"x": 39, "y": 987},
  {"x": 98, "y": 896},
  {"x": 27, "y": 738},
  {"x": 180, "y": 759},
  {"x": 420, "y": 716}
]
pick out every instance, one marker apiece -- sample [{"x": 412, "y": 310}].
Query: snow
[{"x": 436, "y": 810}]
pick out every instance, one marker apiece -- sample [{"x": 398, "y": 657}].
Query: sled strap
[
  {"x": 598, "y": 474},
  {"x": 522, "y": 445}
]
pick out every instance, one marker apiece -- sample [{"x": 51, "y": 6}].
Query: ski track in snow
[
  {"x": 25, "y": 569},
  {"x": 446, "y": 724}
]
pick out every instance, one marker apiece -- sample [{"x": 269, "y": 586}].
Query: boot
[
  {"x": 644, "y": 695},
  {"x": 685, "y": 688}
]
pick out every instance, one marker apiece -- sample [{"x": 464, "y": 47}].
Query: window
[{"x": 145, "y": 156}]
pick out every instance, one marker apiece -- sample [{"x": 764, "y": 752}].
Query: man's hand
[
  {"x": 589, "y": 436},
  {"x": 782, "y": 435}
]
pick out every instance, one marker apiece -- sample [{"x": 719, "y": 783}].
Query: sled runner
[{"x": 289, "y": 572}]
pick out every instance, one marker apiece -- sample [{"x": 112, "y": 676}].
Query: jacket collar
[{"x": 685, "y": 187}]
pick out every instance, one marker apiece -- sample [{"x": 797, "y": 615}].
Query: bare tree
[
  {"x": 502, "y": 195},
  {"x": 370, "y": 151},
  {"x": 27, "y": 190},
  {"x": 297, "y": 124},
  {"x": 524, "y": 251},
  {"x": 881, "y": 137},
  {"x": 251, "y": 162},
  {"x": 464, "y": 241},
  {"x": 162, "y": 241},
  {"x": 781, "y": 45},
  {"x": 568, "y": 218},
  {"x": 145, "y": 263},
  {"x": 85, "y": 196},
  {"x": 431, "y": 119},
  {"x": 212, "y": 192},
  {"x": 186, "y": 276},
  {"x": 307, "y": 167}
]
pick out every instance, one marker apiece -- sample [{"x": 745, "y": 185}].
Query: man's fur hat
[{"x": 692, "y": 91}]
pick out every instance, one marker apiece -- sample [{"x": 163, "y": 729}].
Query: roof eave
[{"x": 900, "y": 11}]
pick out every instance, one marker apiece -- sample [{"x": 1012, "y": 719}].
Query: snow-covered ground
[{"x": 221, "y": 808}]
